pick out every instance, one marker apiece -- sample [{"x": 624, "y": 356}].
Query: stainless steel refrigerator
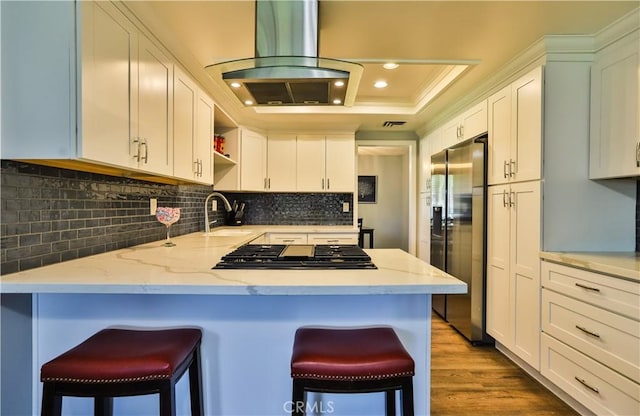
[{"x": 458, "y": 233}]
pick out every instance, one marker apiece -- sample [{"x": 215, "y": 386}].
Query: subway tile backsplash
[
  {"x": 49, "y": 215},
  {"x": 295, "y": 208}
]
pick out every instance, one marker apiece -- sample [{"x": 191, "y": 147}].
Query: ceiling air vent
[{"x": 393, "y": 123}]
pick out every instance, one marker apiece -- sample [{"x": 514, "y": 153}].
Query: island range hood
[{"x": 286, "y": 69}]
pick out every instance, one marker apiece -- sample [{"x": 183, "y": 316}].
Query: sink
[{"x": 229, "y": 233}]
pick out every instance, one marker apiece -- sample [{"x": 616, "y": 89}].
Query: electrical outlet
[
  {"x": 214, "y": 205},
  {"x": 153, "y": 206},
  {"x": 345, "y": 207}
]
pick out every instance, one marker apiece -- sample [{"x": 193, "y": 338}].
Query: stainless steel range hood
[{"x": 286, "y": 69}]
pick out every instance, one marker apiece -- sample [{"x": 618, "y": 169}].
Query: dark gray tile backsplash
[{"x": 49, "y": 215}]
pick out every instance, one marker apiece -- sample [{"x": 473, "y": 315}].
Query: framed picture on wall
[{"x": 367, "y": 189}]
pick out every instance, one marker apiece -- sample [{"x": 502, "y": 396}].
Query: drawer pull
[
  {"x": 584, "y": 383},
  {"x": 586, "y": 331},
  {"x": 593, "y": 289}
]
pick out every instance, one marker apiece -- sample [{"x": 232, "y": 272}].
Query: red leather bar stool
[
  {"x": 351, "y": 360},
  {"x": 126, "y": 362}
]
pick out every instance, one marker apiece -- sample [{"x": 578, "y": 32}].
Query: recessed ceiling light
[
  {"x": 339, "y": 83},
  {"x": 390, "y": 65},
  {"x": 380, "y": 84},
  {"x": 235, "y": 84},
  {"x": 337, "y": 101},
  {"x": 248, "y": 102}
]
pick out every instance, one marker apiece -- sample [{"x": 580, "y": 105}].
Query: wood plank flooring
[{"x": 479, "y": 381}]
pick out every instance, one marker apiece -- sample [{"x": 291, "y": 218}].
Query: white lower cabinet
[
  {"x": 595, "y": 386},
  {"x": 312, "y": 238},
  {"x": 513, "y": 268},
  {"x": 591, "y": 338},
  {"x": 287, "y": 238},
  {"x": 333, "y": 238}
]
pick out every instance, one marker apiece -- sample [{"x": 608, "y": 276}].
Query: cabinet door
[
  {"x": 499, "y": 304},
  {"x": 281, "y": 163},
  {"x": 451, "y": 133},
  {"x": 499, "y": 119},
  {"x": 155, "y": 108},
  {"x": 340, "y": 160},
  {"x": 526, "y": 127},
  {"x": 474, "y": 121},
  {"x": 204, "y": 138},
  {"x": 109, "y": 84},
  {"x": 524, "y": 268},
  {"x": 185, "y": 94},
  {"x": 253, "y": 164},
  {"x": 615, "y": 104},
  {"x": 310, "y": 169}
]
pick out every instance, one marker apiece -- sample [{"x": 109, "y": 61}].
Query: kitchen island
[{"x": 248, "y": 317}]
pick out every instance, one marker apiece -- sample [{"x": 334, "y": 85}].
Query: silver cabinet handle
[
  {"x": 196, "y": 167},
  {"x": 200, "y": 168},
  {"x": 328, "y": 183},
  {"x": 512, "y": 167},
  {"x": 269, "y": 183},
  {"x": 584, "y": 383},
  {"x": 593, "y": 289},
  {"x": 586, "y": 331},
  {"x": 512, "y": 199},
  {"x": 265, "y": 184},
  {"x": 289, "y": 240},
  {"x": 146, "y": 150},
  {"x": 504, "y": 199},
  {"x": 322, "y": 183},
  {"x": 461, "y": 132},
  {"x": 504, "y": 169}
]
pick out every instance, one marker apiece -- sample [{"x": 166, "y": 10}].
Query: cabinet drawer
[
  {"x": 609, "y": 338},
  {"x": 610, "y": 293},
  {"x": 287, "y": 238},
  {"x": 600, "y": 389},
  {"x": 332, "y": 239}
]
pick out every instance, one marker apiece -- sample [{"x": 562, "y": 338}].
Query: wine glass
[{"x": 168, "y": 216}]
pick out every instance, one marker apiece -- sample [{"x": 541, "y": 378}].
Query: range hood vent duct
[{"x": 286, "y": 69}]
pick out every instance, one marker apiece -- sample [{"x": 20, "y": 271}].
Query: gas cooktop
[{"x": 280, "y": 256}]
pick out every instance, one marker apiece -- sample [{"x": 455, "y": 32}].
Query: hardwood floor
[{"x": 478, "y": 381}]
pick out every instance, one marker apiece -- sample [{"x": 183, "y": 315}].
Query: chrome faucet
[{"x": 227, "y": 206}]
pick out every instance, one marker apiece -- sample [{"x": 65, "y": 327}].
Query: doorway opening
[{"x": 390, "y": 165}]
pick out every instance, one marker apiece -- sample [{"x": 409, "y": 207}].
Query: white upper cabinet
[
  {"x": 465, "y": 126},
  {"x": 615, "y": 111},
  {"x": 310, "y": 169},
  {"x": 515, "y": 131},
  {"x": 253, "y": 161},
  {"x": 326, "y": 163},
  {"x": 185, "y": 96},
  {"x": 152, "y": 128},
  {"x": 107, "y": 88},
  {"x": 281, "y": 163},
  {"x": 203, "y": 143},
  {"x": 126, "y": 93},
  {"x": 340, "y": 163},
  {"x": 192, "y": 130}
]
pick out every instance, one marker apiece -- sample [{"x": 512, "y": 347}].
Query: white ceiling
[{"x": 428, "y": 38}]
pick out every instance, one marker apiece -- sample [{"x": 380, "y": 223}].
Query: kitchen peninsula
[{"x": 248, "y": 317}]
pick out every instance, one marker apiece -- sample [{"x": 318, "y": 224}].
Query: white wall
[{"x": 389, "y": 215}]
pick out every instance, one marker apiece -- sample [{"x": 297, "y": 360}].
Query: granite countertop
[
  {"x": 620, "y": 264},
  {"x": 187, "y": 269}
]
